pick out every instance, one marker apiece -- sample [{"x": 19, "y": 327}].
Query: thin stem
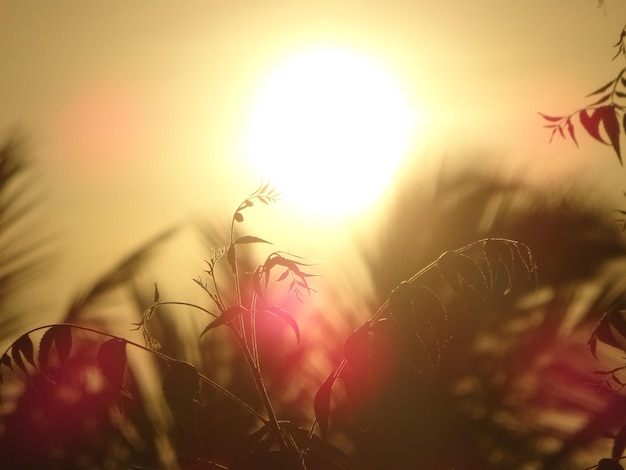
[{"x": 260, "y": 383}]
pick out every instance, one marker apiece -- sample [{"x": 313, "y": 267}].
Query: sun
[{"x": 329, "y": 127}]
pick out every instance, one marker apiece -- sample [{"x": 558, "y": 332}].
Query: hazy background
[{"x": 133, "y": 111}]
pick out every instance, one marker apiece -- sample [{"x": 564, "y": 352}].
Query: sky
[{"x": 135, "y": 111}]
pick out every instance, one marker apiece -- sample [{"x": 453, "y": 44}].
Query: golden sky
[{"x": 135, "y": 110}]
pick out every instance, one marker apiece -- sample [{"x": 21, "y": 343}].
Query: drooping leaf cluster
[
  {"x": 604, "y": 119},
  {"x": 411, "y": 330}
]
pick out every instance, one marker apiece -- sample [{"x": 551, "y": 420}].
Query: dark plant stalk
[{"x": 251, "y": 353}]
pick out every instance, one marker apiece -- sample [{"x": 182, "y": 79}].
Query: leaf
[
  {"x": 570, "y": 130},
  {"x": 23, "y": 348},
  {"x": 600, "y": 100},
  {"x": 155, "y": 297},
  {"x": 501, "y": 264},
  {"x": 111, "y": 358},
  {"x": 61, "y": 337},
  {"x": 591, "y": 123},
  {"x": 283, "y": 276},
  {"x": 5, "y": 360},
  {"x": 227, "y": 315},
  {"x": 602, "y": 89},
  {"x": 619, "y": 443},
  {"x": 609, "y": 464},
  {"x": 283, "y": 315},
  {"x": 321, "y": 403},
  {"x": 610, "y": 330},
  {"x": 464, "y": 276},
  {"x": 249, "y": 239},
  {"x": 230, "y": 256},
  {"x": 181, "y": 388},
  {"x": 422, "y": 324},
  {"x": 238, "y": 217},
  {"x": 181, "y": 382},
  {"x": 551, "y": 118},
  {"x": 612, "y": 127}
]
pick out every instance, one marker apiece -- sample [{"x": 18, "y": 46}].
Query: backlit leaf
[
  {"x": 283, "y": 315},
  {"x": 249, "y": 239},
  {"x": 238, "y": 217},
  {"x": 23, "y": 349},
  {"x": 619, "y": 443},
  {"x": 59, "y": 336},
  {"x": 5, "y": 360},
  {"x": 181, "y": 388},
  {"x": 612, "y": 127},
  {"x": 321, "y": 403},
  {"x": 602, "y": 89},
  {"x": 501, "y": 265},
  {"x": 591, "y": 123},
  {"x": 464, "y": 276},
  {"x": 609, "y": 464},
  {"x": 357, "y": 348},
  {"x": 111, "y": 358},
  {"x": 181, "y": 382},
  {"x": 230, "y": 256},
  {"x": 600, "y": 100},
  {"x": 227, "y": 315},
  {"x": 610, "y": 323},
  {"x": 551, "y": 118},
  {"x": 570, "y": 130}
]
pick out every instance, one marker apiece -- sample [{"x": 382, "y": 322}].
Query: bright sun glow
[{"x": 329, "y": 128}]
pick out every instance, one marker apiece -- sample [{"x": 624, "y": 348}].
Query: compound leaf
[
  {"x": 61, "y": 337},
  {"x": 23, "y": 349},
  {"x": 591, "y": 123}
]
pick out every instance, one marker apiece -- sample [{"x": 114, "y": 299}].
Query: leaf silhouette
[
  {"x": 249, "y": 239},
  {"x": 601, "y": 100},
  {"x": 111, "y": 358},
  {"x": 609, "y": 464},
  {"x": 181, "y": 389},
  {"x": 591, "y": 123},
  {"x": 321, "y": 403},
  {"x": 608, "y": 117},
  {"x": 551, "y": 118},
  {"x": 570, "y": 130},
  {"x": 23, "y": 349},
  {"x": 286, "y": 317},
  {"x": 501, "y": 265},
  {"x": 602, "y": 89},
  {"x": 238, "y": 217},
  {"x": 230, "y": 256},
  {"x": 612, "y": 127},
  {"x": 464, "y": 276},
  {"x": 619, "y": 443},
  {"x": 5, "y": 360},
  {"x": 607, "y": 330},
  {"x": 61, "y": 337},
  {"x": 423, "y": 324},
  {"x": 227, "y": 315}
]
